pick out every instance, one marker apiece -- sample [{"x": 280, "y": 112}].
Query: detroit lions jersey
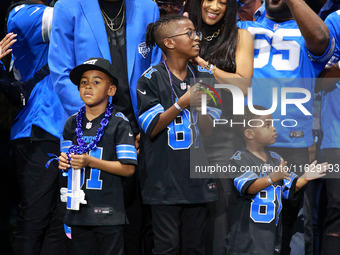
[
  {"x": 32, "y": 24},
  {"x": 103, "y": 190},
  {"x": 165, "y": 179},
  {"x": 330, "y": 112},
  {"x": 256, "y": 224},
  {"x": 281, "y": 60},
  {"x": 332, "y": 22}
]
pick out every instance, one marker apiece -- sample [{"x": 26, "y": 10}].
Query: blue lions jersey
[
  {"x": 32, "y": 25},
  {"x": 330, "y": 112},
  {"x": 280, "y": 53}
]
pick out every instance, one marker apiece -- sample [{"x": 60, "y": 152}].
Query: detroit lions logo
[
  {"x": 91, "y": 62},
  {"x": 121, "y": 115},
  {"x": 275, "y": 155},
  {"x": 143, "y": 49},
  {"x": 203, "y": 70}
]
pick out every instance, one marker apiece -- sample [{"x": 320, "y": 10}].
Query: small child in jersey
[
  {"x": 103, "y": 145},
  {"x": 261, "y": 181}
]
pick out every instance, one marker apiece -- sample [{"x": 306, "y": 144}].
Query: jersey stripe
[
  {"x": 126, "y": 151},
  {"x": 241, "y": 180},
  {"x": 46, "y": 24},
  {"x": 147, "y": 117},
  {"x": 214, "y": 112},
  {"x": 287, "y": 184}
]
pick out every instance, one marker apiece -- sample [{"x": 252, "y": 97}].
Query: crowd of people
[{"x": 109, "y": 98}]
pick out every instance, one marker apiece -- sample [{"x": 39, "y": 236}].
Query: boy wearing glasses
[{"x": 169, "y": 129}]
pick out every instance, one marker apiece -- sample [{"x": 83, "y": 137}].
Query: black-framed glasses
[{"x": 191, "y": 33}]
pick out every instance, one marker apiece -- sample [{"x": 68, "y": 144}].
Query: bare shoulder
[{"x": 244, "y": 35}]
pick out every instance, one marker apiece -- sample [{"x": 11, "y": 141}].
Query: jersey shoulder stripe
[{"x": 147, "y": 117}]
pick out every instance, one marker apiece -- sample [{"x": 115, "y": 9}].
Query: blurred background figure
[
  {"x": 252, "y": 10},
  {"x": 329, "y": 7},
  {"x": 171, "y": 6},
  {"x": 8, "y": 205},
  {"x": 35, "y": 135}
]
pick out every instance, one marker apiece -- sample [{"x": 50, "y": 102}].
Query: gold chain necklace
[
  {"x": 210, "y": 37},
  {"x": 110, "y": 22}
]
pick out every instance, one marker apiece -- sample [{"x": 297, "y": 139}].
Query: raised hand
[
  {"x": 281, "y": 173},
  {"x": 315, "y": 171},
  {"x": 5, "y": 43}
]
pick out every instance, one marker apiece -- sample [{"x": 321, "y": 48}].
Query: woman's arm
[{"x": 244, "y": 58}]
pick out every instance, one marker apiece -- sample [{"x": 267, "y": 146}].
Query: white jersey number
[{"x": 285, "y": 52}]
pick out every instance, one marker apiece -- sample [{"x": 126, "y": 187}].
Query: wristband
[
  {"x": 270, "y": 180},
  {"x": 339, "y": 65},
  {"x": 178, "y": 107}
]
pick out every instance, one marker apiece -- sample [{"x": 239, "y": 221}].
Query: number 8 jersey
[
  {"x": 280, "y": 53},
  {"x": 165, "y": 174},
  {"x": 256, "y": 223}
]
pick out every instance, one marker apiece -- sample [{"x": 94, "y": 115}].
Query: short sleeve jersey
[
  {"x": 330, "y": 112},
  {"x": 103, "y": 190},
  {"x": 256, "y": 221},
  {"x": 166, "y": 178},
  {"x": 280, "y": 53}
]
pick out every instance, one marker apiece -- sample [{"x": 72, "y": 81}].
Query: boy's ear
[
  {"x": 112, "y": 90},
  {"x": 249, "y": 134},
  {"x": 168, "y": 43}
]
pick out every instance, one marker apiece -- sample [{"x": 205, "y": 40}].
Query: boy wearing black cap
[{"x": 103, "y": 144}]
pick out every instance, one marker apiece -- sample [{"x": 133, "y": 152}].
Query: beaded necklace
[
  {"x": 173, "y": 91},
  {"x": 81, "y": 148},
  {"x": 171, "y": 82}
]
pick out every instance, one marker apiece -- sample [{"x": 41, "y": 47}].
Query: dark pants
[
  {"x": 98, "y": 240},
  {"x": 331, "y": 241},
  {"x": 40, "y": 228},
  {"x": 178, "y": 229},
  {"x": 295, "y": 221},
  {"x": 138, "y": 236},
  {"x": 219, "y": 215}
]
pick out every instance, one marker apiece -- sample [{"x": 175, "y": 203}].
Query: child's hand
[
  {"x": 193, "y": 97},
  {"x": 196, "y": 96},
  {"x": 184, "y": 101},
  {"x": 282, "y": 173},
  {"x": 137, "y": 143},
  {"x": 315, "y": 171},
  {"x": 80, "y": 161},
  {"x": 63, "y": 161}
]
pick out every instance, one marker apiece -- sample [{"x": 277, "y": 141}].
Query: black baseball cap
[{"x": 99, "y": 64}]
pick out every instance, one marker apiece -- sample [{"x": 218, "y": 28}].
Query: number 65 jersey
[
  {"x": 282, "y": 60},
  {"x": 256, "y": 222}
]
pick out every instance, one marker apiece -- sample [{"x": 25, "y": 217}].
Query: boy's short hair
[
  {"x": 99, "y": 64},
  {"x": 161, "y": 29},
  {"x": 248, "y": 115}
]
